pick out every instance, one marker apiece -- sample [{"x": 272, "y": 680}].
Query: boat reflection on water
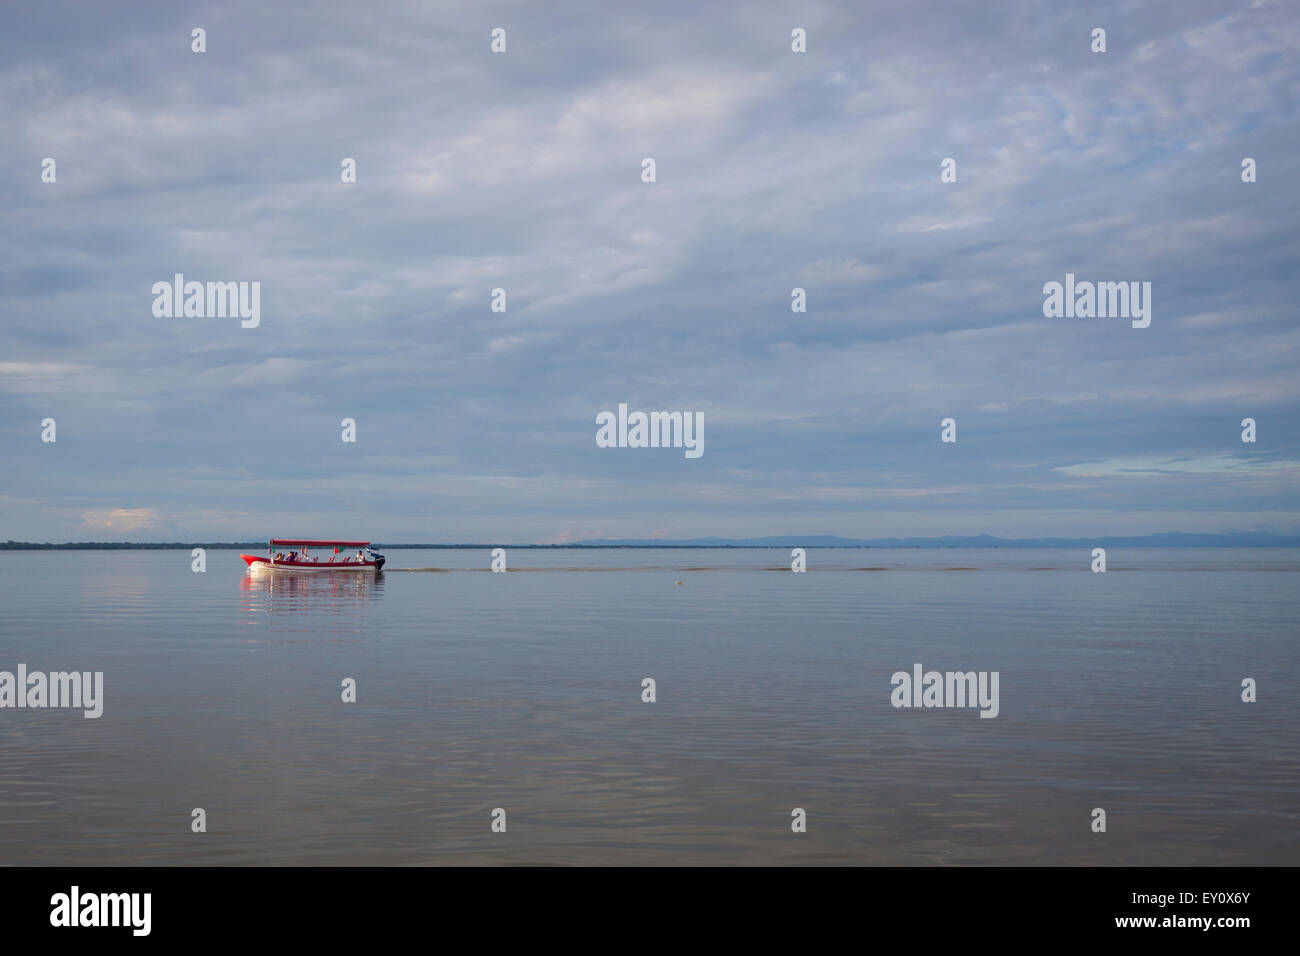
[{"x": 288, "y": 593}]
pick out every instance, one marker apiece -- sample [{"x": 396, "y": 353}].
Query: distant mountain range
[
  {"x": 1175, "y": 539},
  {"x": 1166, "y": 540}
]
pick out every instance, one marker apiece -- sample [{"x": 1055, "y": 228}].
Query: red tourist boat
[{"x": 295, "y": 555}]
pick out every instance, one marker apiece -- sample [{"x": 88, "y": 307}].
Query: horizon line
[{"x": 1165, "y": 538}]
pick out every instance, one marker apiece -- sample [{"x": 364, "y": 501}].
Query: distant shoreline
[{"x": 1173, "y": 540}]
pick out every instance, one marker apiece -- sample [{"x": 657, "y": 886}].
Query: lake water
[{"x": 522, "y": 691}]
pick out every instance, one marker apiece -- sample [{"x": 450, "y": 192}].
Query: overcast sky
[{"x": 523, "y": 171}]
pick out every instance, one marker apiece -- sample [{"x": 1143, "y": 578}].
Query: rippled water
[{"x": 523, "y": 691}]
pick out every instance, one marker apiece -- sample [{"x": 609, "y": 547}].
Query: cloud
[
  {"x": 522, "y": 171},
  {"x": 120, "y": 520},
  {"x": 1149, "y": 467}
]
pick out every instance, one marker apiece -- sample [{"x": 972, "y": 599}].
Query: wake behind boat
[{"x": 296, "y": 556}]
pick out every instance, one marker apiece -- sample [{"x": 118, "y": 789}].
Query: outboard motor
[{"x": 376, "y": 557}]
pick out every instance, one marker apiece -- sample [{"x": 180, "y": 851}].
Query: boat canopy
[{"x": 319, "y": 544}]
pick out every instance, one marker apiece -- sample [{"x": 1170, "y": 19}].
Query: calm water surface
[{"x": 523, "y": 691}]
